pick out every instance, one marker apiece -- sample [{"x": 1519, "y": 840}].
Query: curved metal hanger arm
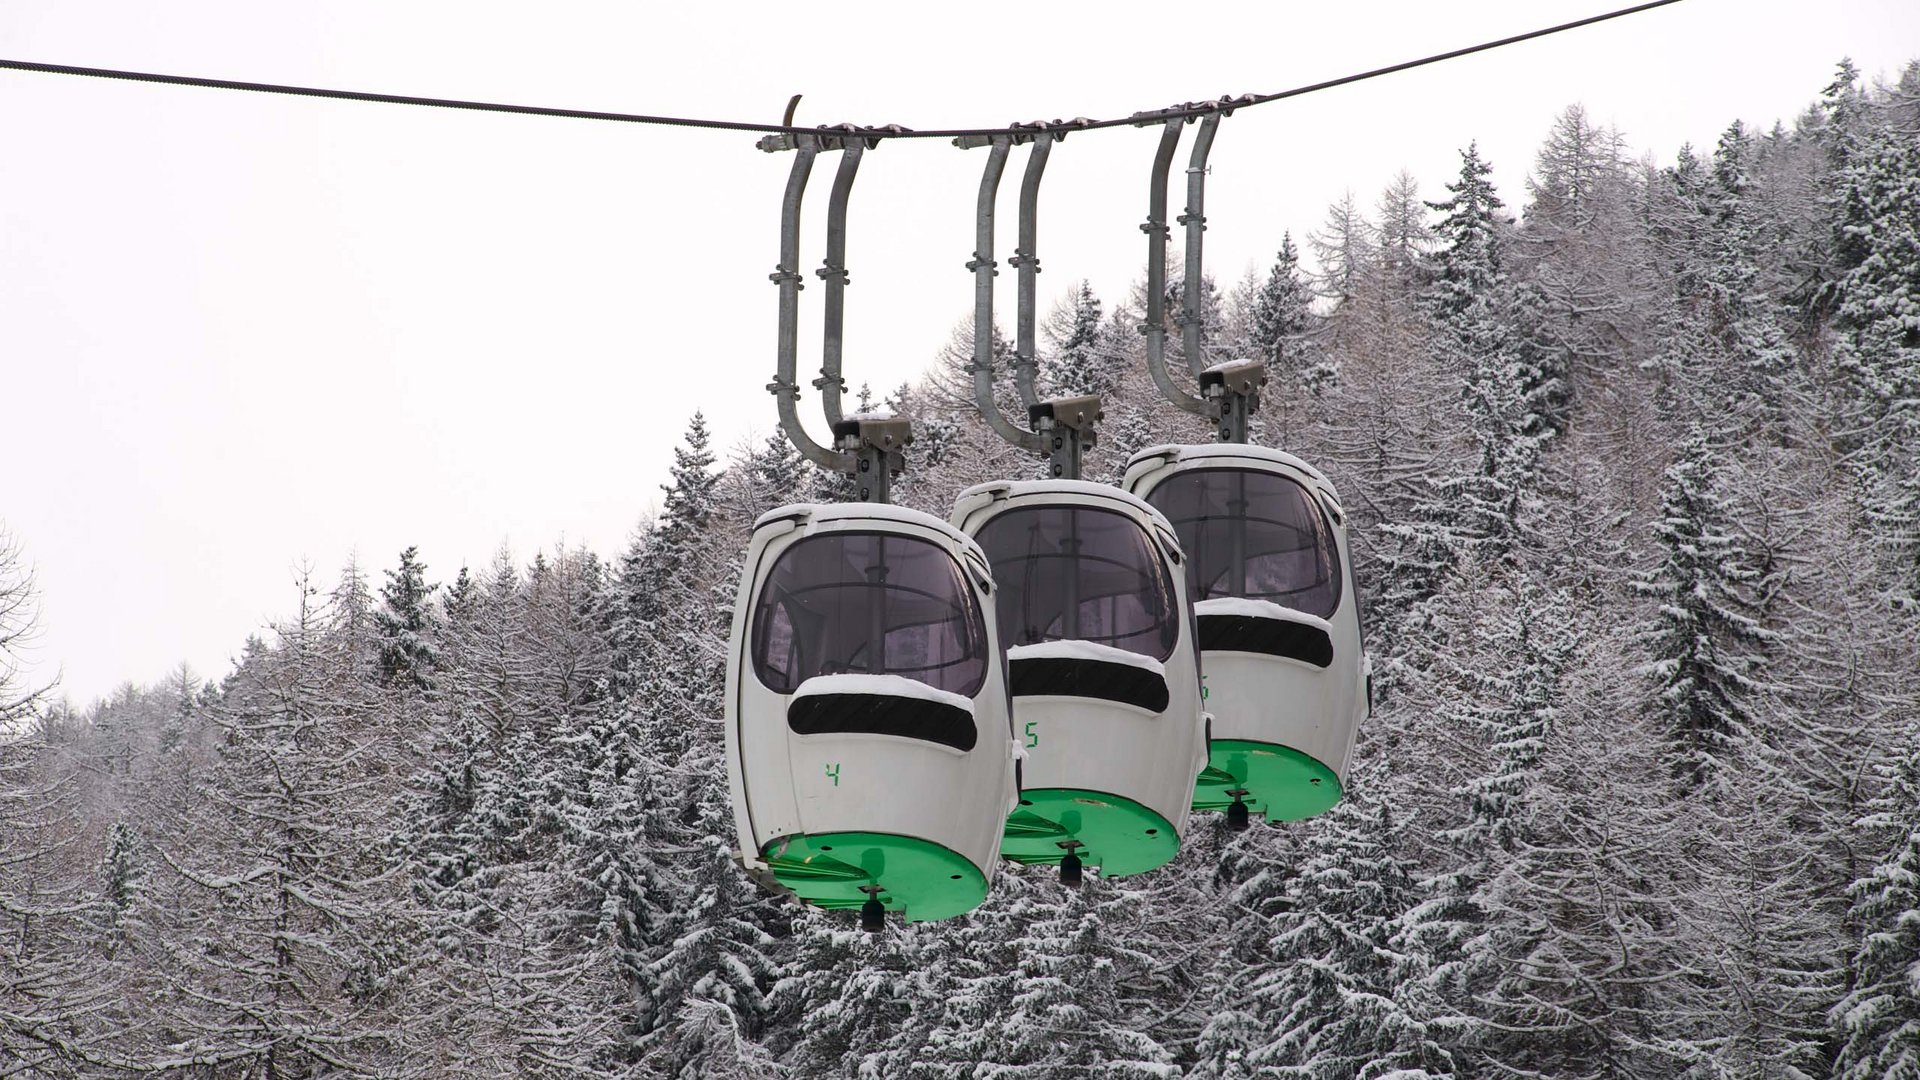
[
  {"x": 1026, "y": 259},
  {"x": 834, "y": 274},
  {"x": 787, "y": 276},
  {"x": 1191, "y": 318},
  {"x": 982, "y": 266},
  {"x": 1156, "y": 229}
]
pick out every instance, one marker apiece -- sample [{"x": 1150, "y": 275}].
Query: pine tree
[
  {"x": 1749, "y": 326},
  {"x": 1483, "y": 319},
  {"x": 1079, "y": 361},
  {"x": 1331, "y": 991},
  {"x": 1879, "y": 1021},
  {"x": 1280, "y": 313},
  {"x": 1706, "y": 644},
  {"x": 1874, "y": 192},
  {"x": 1470, "y": 265},
  {"x": 843, "y": 999},
  {"x": 1488, "y": 506},
  {"x": 1066, "y": 1010},
  {"x": 407, "y": 622},
  {"x": 706, "y": 1043},
  {"x": 719, "y": 952},
  {"x": 1471, "y": 936},
  {"x": 124, "y": 884}
]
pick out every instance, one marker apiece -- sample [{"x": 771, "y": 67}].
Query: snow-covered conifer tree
[
  {"x": 1875, "y": 195},
  {"x": 1066, "y": 1013},
  {"x": 1331, "y": 991},
  {"x": 407, "y": 624},
  {"x": 1078, "y": 360},
  {"x": 1879, "y": 1021},
  {"x": 1705, "y": 643},
  {"x": 718, "y": 952}
]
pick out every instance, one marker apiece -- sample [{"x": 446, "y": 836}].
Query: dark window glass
[
  {"x": 1081, "y": 574},
  {"x": 873, "y": 603},
  {"x": 1253, "y": 534}
]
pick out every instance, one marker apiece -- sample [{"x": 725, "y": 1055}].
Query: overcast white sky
[{"x": 240, "y": 331}]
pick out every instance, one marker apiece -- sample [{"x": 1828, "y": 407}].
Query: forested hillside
[{"x": 1633, "y": 454}]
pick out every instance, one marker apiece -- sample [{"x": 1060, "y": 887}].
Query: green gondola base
[
  {"x": 1281, "y": 783},
  {"x": 1116, "y": 834},
  {"x": 920, "y": 879}
]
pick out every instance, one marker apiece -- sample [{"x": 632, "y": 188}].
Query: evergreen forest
[{"x": 1632, "y": 453}]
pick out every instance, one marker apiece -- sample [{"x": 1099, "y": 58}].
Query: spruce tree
[
  {"x": 1331, "y": 991},
  {"x": 1706, "y": 645},
  {"x": 407, "y": 625},
  {"x": 1878, "y": 1023},
  {"x": 1280, "y": 314},
  {"x": 718, "y": 951},
  {"x": 1874, "y": 192},
  {"x": 1078, "y": 363},
  {"x": 1066, "y": 1014}
]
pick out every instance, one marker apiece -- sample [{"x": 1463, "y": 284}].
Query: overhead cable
[{"x": 1187, "y": 110}]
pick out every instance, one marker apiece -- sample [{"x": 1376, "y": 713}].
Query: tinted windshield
[
  {"x": 1253, "y": 534},
  {"x": 1079, "y": 573},
  {"x": 878, "y": 603}
]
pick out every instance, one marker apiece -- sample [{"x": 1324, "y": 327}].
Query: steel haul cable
[{"x": 1188, "y": 110}]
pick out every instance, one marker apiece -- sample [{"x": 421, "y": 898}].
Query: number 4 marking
[
  {"x": 833, "y": 770},
  {"x": 1033, "y": 737}
]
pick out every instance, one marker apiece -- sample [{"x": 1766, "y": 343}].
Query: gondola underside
[{"x": 921, "y": 880}]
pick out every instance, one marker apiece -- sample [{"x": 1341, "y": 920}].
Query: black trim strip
[
  {"x": 1069, "y": 676},
  {"x": 1274, "y": 637},
  {"x": 883, "y": 714}
]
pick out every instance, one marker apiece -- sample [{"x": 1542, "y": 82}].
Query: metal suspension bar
[
  {"x": 834, "y": 273},
  {"x": 1192, "y": 317},
  {"x": 1026, "y": 259},
  {"x": 982, "y": 266},
  {"x": 1156, "y": 229},
  {"x": 787, "y": 276}
]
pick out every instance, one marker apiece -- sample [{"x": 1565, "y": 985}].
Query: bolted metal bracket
[
  {"x": 837, "y": 137},
  {"x": 877, "y": 443},
  {"x": 1066, "y": 427},
  {"x": 1232, "y": 393}
]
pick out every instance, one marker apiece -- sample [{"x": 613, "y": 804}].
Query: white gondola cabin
[
  {"x": 1279, "y": 621},
  {"x": 869, "y": 749},
  {"x": 1092, "y": 611}
]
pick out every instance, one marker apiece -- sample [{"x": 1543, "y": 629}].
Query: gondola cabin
[
  {"x": 1279, "y": 621},
  {"x": 869, "y": 749},
  {"x": 1092, "y": 610}
]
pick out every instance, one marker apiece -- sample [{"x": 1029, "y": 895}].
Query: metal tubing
[
  {"x": 834, "y": 273},
  {"x": 1026, "y": 259},
  {"x": 1156, "y": 230},
  {"x": 1195, "y": 219},
  {"x": 787, "y": 277},
  {"x": 983, "y": 272}
]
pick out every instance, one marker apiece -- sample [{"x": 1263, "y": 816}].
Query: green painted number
[
  {"x": 1033, "y": 737},
  {"x": 1203, "y": 688},
  {"x": 833, "y": 770}
]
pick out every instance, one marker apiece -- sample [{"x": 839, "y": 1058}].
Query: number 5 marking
[
  {"x": 833, "y": 770},
  {"x": 1033, "y": 737}
]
